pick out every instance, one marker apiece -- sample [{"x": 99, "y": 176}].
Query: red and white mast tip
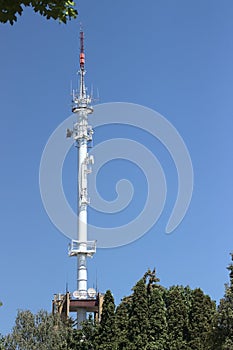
[{"x": 82, "y": 54}]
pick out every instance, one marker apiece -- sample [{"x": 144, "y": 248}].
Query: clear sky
[{"x": 175, "y": 57}]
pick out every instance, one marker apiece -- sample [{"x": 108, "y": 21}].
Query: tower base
[{"x": 63, "y": 304}]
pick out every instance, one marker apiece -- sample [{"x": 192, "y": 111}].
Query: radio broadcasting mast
[
  {"x": 83, "y": 300},
  {"x": 82, "y": 134}
]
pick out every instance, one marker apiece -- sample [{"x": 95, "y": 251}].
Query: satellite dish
[
  {"x": 91, "y": 292},
  {"x": 76, "y": 294},
  {"x": 83, "y": 294}
]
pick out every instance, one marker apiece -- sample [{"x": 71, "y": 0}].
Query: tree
[
  {"x": 201, "y": 320},
  {"x": 122, "y": 323},
  {"x": 82, "y": 339},
  {"x": 178, "y": 308},
  {"x": 61, "y": 10},
  {"x": 157, "y": 329},
  {"x": 106, "y": 330},
  {"x": 224, "y": 324},
  {"x": 1, "y": 337},
  {"x": 23, "y": 335},
  {"x": 1, "y": 342},
  {"x": 37, "y": 332},
  {"x": 138, "y": 320}
]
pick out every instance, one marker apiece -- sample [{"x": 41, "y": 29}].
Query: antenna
[
  {"x": 67, "y": 287},
  {"x": 71, "y": 87},
  {"x": 82, "y": 100},
  {"x": 82, "y": 54},
  {"x": 92, "y": 92},
  {"x": 98, "y": 94},
  {"x": 96, "y": 282}
]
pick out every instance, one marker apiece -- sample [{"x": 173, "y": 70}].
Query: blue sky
[{"x": 172, "y": 56}]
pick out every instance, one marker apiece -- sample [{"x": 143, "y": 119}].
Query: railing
[{"x": 79, "y": 247}]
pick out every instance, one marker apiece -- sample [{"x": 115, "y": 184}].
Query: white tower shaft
[{"x": 82, "y": 218}]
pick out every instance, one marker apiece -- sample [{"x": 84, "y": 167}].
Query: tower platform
[
  {"x": 79, "y": 247},
  {"x": 64, "y": 304}
]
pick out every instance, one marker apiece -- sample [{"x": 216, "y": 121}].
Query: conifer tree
[
  {"x": 138, "y": 320},
  {"x": 1, "y": 342},
  {"x": 224, "y": 329},
  {"x": 178, "y": 308},
  {"x": 157, "y": 330},
  {"x": 106, "y": 332},
  {"x": 82, "y": 339},
  {"x": 88, "y": 334},
  {"x": 202, "y": 317},
  {"x": 122, "y": 323}
]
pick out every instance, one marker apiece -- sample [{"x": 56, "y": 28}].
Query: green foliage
[
  {"x": 37, "y": 332},
  {"x": 151, "y": 318},
  {"x": 224, "y": 323},
  {"x": 228, "y": 344},
  {"x": 157, "y": 330},
  {"x": 122, "y": 323},
  {"x": 88, "y": 334},
  {"x": 177, "y": 314},
  {"x": 61, "y": 10},
  {"x": 106, "y": 332},
  {"x": 139, "y": 317},
  {"x": 82, "y": 339},
  {"x": 2, "y": 342},
  {"x": 202, "y": 316}
]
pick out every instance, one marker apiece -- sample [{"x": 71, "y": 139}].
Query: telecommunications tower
[
  {"x": 82, "y": 135},
  {"x": 84, "y": 299}
]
